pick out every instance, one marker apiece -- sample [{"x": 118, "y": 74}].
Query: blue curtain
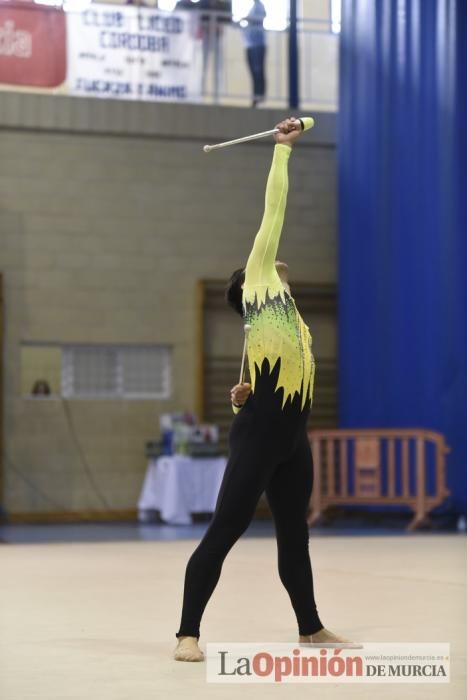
[{"x": 402, "y": 223}]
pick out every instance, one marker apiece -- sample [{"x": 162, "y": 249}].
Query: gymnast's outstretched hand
[
  {"x": 239, "y": 393},
  {"x": 290, "y": 130}
]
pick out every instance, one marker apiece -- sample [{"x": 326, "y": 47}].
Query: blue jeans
[{"x": 255, "y": 56}]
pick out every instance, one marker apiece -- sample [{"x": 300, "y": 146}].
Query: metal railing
[
  {"x": 218, "y": 56},
  {"x": 226, "y": 79}
]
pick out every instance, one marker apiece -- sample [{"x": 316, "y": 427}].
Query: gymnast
[{"x": 269, "y": 447}]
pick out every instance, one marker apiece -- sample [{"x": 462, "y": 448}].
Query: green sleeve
[
  {"x": 260, "y": 268},
  {"x": 236, "y": 409}
]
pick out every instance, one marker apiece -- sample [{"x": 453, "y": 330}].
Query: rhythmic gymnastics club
[
  {"x": 305, "y": 122},
  {"x": 247, "y": 329}
]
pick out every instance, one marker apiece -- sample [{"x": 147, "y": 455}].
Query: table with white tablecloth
[{"x": 179, "y": 485}]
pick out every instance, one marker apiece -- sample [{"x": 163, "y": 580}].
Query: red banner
[{"x": 32, "y": 45}]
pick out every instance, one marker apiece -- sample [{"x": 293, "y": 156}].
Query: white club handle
[
  {"x": 247, "y": 330},
  {"x": 306, "y": 123}
]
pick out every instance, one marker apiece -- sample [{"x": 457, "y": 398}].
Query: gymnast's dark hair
[{"x": 233, "y": 291}]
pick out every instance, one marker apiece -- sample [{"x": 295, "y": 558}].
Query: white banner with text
[{"x": 133, "y": 53}]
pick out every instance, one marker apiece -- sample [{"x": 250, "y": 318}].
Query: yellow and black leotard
[{"x": 279, "y": 343}]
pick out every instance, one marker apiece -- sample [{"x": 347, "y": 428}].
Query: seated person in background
[{"x": 41, "y": 388}]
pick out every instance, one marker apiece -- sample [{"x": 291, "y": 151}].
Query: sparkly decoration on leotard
[{"x": 278, "y": 331}]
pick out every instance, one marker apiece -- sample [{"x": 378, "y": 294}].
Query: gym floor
[{"x": 91, "y": 611}]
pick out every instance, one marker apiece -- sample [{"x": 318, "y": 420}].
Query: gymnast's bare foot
[
  {"x": 325, "y": 636},
  {"x": 187, "y": 649}
]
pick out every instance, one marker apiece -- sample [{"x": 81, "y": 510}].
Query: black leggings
[{"x": 263, "y": 457}]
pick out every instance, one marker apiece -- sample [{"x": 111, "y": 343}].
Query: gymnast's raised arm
[{"x": 260, "y": 268}]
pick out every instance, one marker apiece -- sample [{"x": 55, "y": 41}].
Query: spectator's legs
[
  {"x": 249, "y": 58},
  {"x": 261, "y": 71},
  {"x": 219, "y": 62},
  {"x": 255, "y": 56},
  {"x": 206, "y": 39}
]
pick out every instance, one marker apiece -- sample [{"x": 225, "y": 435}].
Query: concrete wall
[{"x": 110, "y": 213}]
